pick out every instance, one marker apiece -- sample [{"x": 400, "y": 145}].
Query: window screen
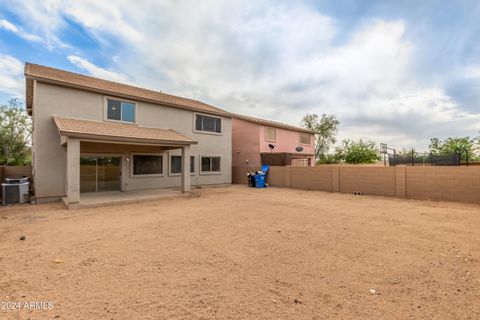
[
  {"x": 305, "y": 138},
  {"x": 176, "y": 164},
  {"x": 114, "y": 111},
  {"x": 147, "y": 164},
  {"x": 192, "y": 164},
  {"x": 271, "y": 133},
  {"x": 215, "y": 164},
  {"x": 120, "y": 110},
  {"x": 208, "y": 124},
  {"x": 205, "y": 164},
  {"x": 211, "y": 164}
]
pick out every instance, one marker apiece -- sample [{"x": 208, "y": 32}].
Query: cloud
[
  {"x": 5, "y": 24},
  {"x": 472, "y": 72},
  {"x": 272, "y": 59},
  {"x": 11, "y": 76},
  {"x": 43, "y": 19},
  {"x": 97, "y": 71}
]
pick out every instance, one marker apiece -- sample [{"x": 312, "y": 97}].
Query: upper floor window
[
  {"x": 208, "y": 123},
  {"x": 120, "y": 110},
  {"x": 270, "y": 134},
  {"x": 305, "y": 138}
]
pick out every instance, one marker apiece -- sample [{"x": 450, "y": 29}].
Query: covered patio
[
  {"x": 89, "y": 143},
  {"x": 101, "y": 199}
]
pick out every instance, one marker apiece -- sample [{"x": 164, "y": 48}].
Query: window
[
  {"x": 176, "y": 164},
  {"x": 270, "y": 134},
  {"x": 208, "y": 124},
  {"x": 147, "y": 164},
  {"x": 192, "y": 164},
  {"x": 305, "y": 138},
  {"x": 120, "y": 110},
  {"x": 210, "y": 164}
]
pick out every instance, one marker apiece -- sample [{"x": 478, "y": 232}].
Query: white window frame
[
  {"x": 132, "y": 175},
  {"x": 207, "y": 132},
  {"x": 300, "y": 139},
  {"x": 105, "y": 110},
  {"x": 266, "y": 134},
  {"x": 179, "y": 174},
  {"x": 206, "y": 173}
]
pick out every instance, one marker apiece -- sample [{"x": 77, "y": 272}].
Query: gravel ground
[{"x": 239, "y": 253}]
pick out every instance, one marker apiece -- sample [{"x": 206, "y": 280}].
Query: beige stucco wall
[{"x": 49, "y": 156}]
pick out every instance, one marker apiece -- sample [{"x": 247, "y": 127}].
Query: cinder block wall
[
  {"x": 311, "y": 178},
  {"x": 378, "y": 181},
  {"x": 460, "y": 184}
]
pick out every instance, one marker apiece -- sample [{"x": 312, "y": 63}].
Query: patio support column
[
  {"x": 73, "y": 171},
  {"x": 186, "y": 169}
]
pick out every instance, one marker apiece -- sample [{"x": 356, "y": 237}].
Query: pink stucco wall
[
  {"x": 248, "y": 141},
  {"x": 287, "y": 141},
  {"x": 245, "y": 144}
]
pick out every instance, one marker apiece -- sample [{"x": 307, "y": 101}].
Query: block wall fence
[{"x": 459, "y": 184}]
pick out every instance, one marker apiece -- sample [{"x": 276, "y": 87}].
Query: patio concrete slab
[{"x": 101, "y": 199}]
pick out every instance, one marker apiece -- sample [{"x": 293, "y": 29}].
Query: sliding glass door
[{"x": 100, "y": 173}]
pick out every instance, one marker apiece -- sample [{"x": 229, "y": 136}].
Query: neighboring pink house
[{"x": 256, "y": 142}]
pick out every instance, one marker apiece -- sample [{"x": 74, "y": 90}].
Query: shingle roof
[
  {"x": 75, "y": 80},
  {"x": 271, "y": 123},
  {"x": 119, "y": 132},
  {"x": 70, "y": 79}
]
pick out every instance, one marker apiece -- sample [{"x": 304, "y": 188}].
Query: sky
[{"x": 397, "y": 72}]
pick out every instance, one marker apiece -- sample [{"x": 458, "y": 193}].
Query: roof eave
[
  {"x": 31, "y": 77},
  {"x": 275, "y": 125},
  {"x": 108, "y": 138}
]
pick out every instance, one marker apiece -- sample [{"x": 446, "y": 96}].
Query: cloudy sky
[{"x": 398, "y": 72}]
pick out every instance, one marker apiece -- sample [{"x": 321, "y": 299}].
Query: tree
[
  {"x": 325, "y": 128},
  {"x": 465, "y": 145},
  {"x": 15, "y": 133},
  {"x": 358, "y": 152}
]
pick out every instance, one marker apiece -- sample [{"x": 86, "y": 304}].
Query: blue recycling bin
[{"x": 260, "y": 180}]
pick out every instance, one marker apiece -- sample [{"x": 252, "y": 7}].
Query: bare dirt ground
[{"x": 239, "y": 253}]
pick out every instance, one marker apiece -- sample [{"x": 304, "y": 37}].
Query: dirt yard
[{"x": 239, "y": 253}]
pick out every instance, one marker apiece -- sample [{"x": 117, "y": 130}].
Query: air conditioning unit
[{"x": 15, "y": 191}]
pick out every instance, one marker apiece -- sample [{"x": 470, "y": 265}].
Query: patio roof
[{"x": 119, "y": 132}]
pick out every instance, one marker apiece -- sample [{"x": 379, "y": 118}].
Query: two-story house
[
  {"x": 257, "y": 141},
  {"x": 92, "y": 135}
]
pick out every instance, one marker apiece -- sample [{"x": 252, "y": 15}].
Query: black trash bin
[{"x": 251, "y": 179}]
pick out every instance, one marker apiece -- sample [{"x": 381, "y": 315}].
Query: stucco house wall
[
  {"x": 245, "y": 143},
  {"x": 287, "y": 141},
  {"x": 249, "y": 141},
  {"x": 49, "y": 157}
]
